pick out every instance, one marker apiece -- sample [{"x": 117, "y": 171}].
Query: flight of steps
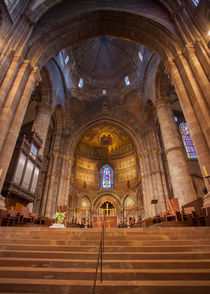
[{"x": 143, "y": 261}]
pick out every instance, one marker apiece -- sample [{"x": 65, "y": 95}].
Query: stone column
[
  {"x": 51, "y": 192},
  {"x": 14, "y": 67},
  {"x": 193, "y": 90},
  {"x": 68, "y": 180},
  {"x": 180, "y": 178},
  {"x": 41, "y": 123},
  {"x": 200, "y": 142},
  {"x": 147, "y": 185},
  {"x": 13, "y": 130},
  {"x": 14, "y": 100}
]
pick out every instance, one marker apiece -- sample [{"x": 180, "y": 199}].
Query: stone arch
[
  {"x": 162, "y": 82},
  {"x": 107, "y": 196},
  {"x": 46, "y": 86},
  {"x": 40, "y": 7},
  {"x": 109, "y": 22},
  {"x": 59, "y": 115}
]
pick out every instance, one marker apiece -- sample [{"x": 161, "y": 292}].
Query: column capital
[
  {"x": 43, "y": 106},
  {"x": 173, "y": 148},
  {"x": 163, "y": 101}
]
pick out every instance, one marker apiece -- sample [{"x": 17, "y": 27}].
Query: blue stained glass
[
  {"x": 196, "y": 2},
  {"x": 11, "y": 4},
  {"x": 187, "y": 141},
  {"x": 106, "y": 177}
]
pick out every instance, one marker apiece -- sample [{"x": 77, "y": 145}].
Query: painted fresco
[
  {"x": 85, "y": 202},
  {"x": 122, "y": 177},
  {"x": 84, "y": 176},
  {"x": 129, "y": 202},
  {"x": 126, "y": 163},
  {"x": 85, "y": 164}
]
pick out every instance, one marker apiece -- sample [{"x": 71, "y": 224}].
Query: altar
[{"x": 110, "y": 221}]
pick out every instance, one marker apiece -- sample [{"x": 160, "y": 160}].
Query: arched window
[
  {"x": 140, "y": 56},
  {"x": 196, "y": 2},
  {"x": 81, "y": 83},
  {"x": 67, "y": 59},
  {"x": 11, "y": 4},
  {"x": 186, "y": 138},
  {"x": 127, "y": 81},
  {"x": 106, "y": 177}
]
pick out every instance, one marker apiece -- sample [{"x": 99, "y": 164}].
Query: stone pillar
[
  {"x": 68, "y": 180},
  {"x": 41, "y": 123},
  {"x": 16, "y": 122},
  {"x": 200, "y": 142},
  {"x": 197, "y": 100},
  {"x": 147, "y": 186},
  {"x": 50, "y": 196},
  {"x": 9, "y": 77},
  {"x": 158, "y": 183},
  {"x": 14, "y": 100},
  {"x": 180, "y": 178}
]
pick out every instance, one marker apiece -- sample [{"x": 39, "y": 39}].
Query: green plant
[{"x": 59, "y": 216}]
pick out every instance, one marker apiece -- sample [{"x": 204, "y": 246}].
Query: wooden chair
[
  {"x": 35, "y": 218},
  {"x": 148, "y": 222},
  {"x": 173, "y": 206},
  {"x": 13, "y": 215},
  {"x": 178, "y": 217},
  {"x": 170, "y": 217},
  {"x": 163, "y": 216},
  {"x": 187, "y": 215},
  {"x": 200, "y": 220},
  {"x": 25, "y": 215},
  {"x": 4, "y": 218}
]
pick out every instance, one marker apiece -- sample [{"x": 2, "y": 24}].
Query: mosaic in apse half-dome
[{"x": 105, "y": 140}]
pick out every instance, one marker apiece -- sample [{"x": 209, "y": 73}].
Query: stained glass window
[
  {"x": 11, "y": 4},
  {"x": 106, "y": 177},
  {"x": 196, "y": 2},
  {"x": 186, "y": 138}
]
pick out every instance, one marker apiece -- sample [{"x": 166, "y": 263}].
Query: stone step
[
  {"x": 119, "y": 231},
  {"x": 154, "y": 248},
  {"x": 111, "y": 239},
  {"x": 106, "y": 255},
  {"x": 107, "y": 264},
  {"x": 84, "y": 233},
  {"x": 88, "y": 235},
  {"x": 142, "y": 261},
  {"x": 108, "y": 274},
  {"x": 110, "y": 243},
  {"x": 11, "y": 285}
]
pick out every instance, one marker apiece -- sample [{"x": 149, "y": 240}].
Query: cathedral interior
[
  {"x": 104, "y": 122},
  {"x": 104, "y": 102}
]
